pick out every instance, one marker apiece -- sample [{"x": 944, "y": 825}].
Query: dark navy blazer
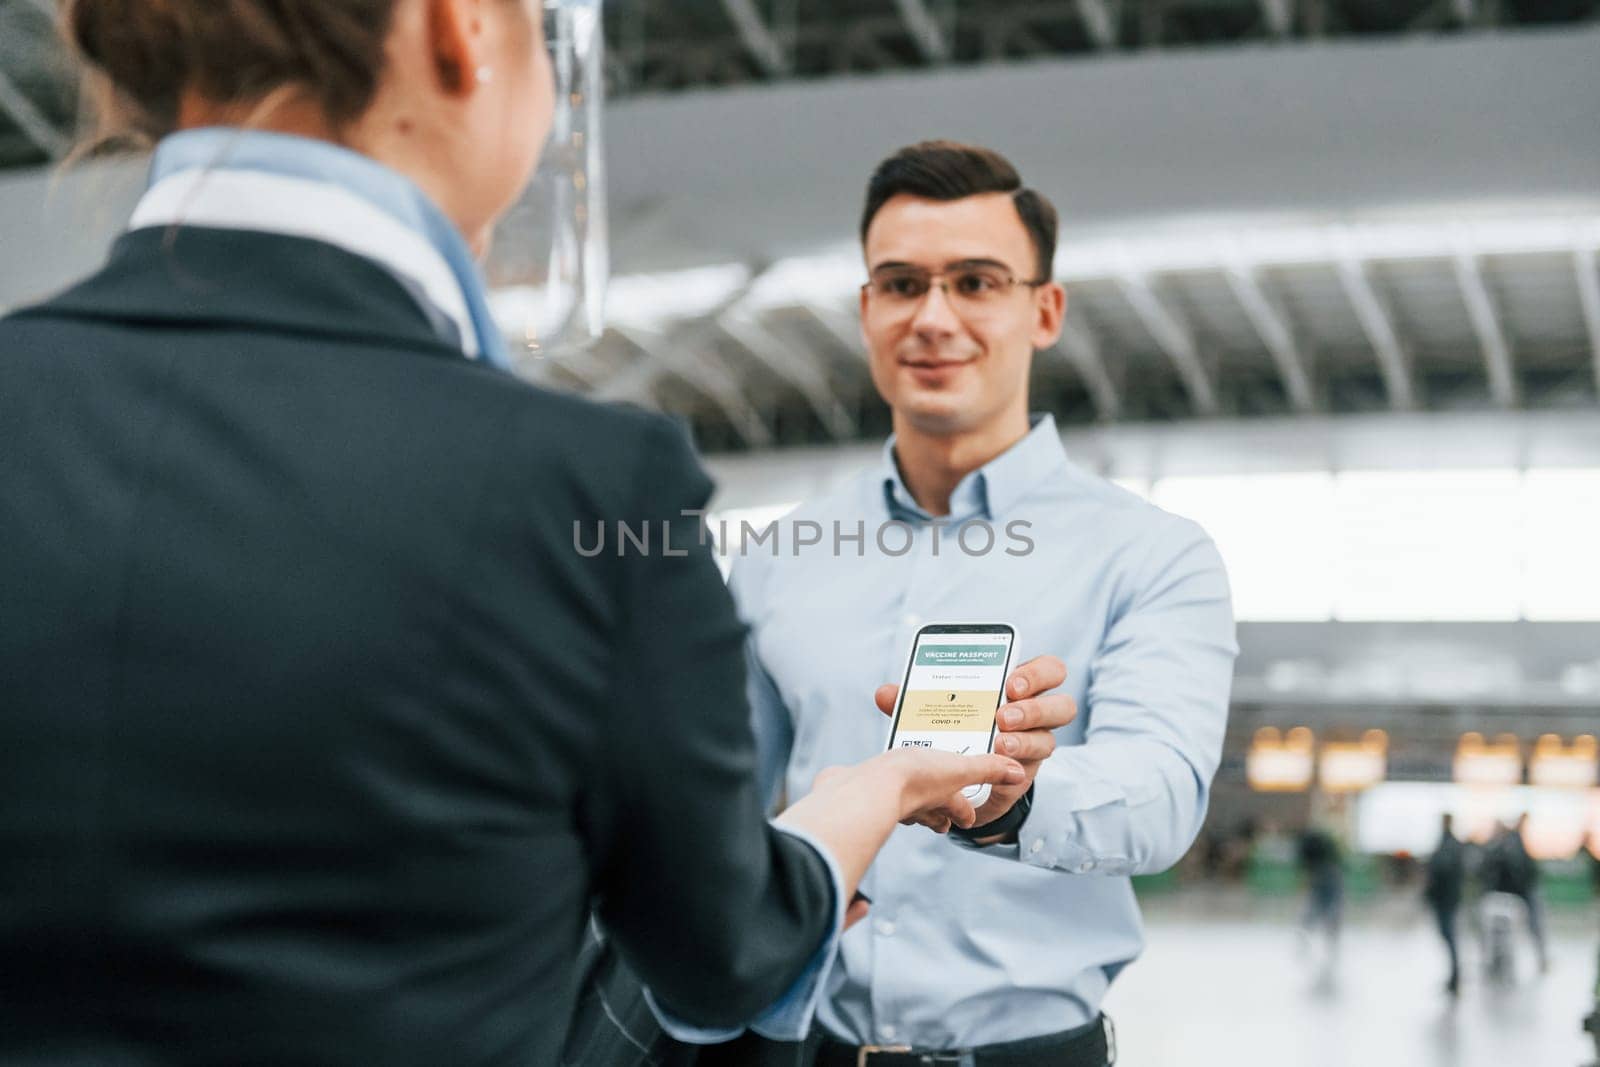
[{"x": 319, "y": 737}]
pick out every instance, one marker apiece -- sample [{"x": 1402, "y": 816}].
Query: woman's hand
[
  {"x": 853, "y": 810},
  {"x": 924, "y": 785}
]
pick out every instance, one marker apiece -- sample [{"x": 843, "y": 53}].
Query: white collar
[{"x": 301, "y": 207}]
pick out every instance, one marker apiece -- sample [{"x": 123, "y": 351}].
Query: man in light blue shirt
[{"x": 1012, "y": 936}]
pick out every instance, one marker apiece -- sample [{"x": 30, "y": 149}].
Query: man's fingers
[
  {"x": 1029, "y": 746},
  {"x": 885, "y": 698},
  {"x": 1039, "y": 675},
  {"x": 1040, "y": 713}
]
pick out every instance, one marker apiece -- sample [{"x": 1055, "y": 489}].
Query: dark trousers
[
  {"x": 1535, "y": 908},
  {"x": 1444, "y": 914},
  {"x": 753, "y": 1051}
]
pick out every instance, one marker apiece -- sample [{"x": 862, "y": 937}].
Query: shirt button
[
  {"x": 1038, "y": 843},
  {"x": 1086, "y": 866},
  {"x": 912, "y": 619},
  {"x": 885, "y": 927},
  {"x": 887, "y": 1030}
]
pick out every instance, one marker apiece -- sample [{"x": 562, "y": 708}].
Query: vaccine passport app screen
[{"x": 952, "y": 692}]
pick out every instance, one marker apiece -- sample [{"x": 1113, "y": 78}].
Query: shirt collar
[
  {"x": 992, "y": 490},
  {"x": 299, "y": 207},
  {"x": 458, "y": 293}
]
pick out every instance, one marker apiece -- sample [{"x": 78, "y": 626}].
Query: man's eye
[
  {"x": 903, "y": 286},
  {"x": 976, "y": 283}
]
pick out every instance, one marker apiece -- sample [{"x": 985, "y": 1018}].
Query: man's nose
[{"x": 936, "y": 317}]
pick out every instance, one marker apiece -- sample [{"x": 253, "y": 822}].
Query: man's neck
[{"x": 932, "y": 465}]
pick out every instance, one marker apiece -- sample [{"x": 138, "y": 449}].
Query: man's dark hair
[{"x": 945, "y": 170}]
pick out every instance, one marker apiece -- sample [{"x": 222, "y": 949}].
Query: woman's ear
[{"x": 455, "y": 31}]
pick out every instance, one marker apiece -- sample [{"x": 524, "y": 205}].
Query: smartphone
[{"x": 954, "y": 684}]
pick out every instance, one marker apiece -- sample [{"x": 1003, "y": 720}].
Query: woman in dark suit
[{"x": 319, "y": 737}]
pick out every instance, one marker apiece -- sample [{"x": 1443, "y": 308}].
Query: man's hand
[{"x": 1025, "y": 734}]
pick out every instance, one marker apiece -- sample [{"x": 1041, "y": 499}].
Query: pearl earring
[{"x": 485, "y": 74}]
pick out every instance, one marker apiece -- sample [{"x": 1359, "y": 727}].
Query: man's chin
[{"x": 934, "y": 413}]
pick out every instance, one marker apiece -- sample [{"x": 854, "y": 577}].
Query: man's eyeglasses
[{"x": 973, "y": 286}]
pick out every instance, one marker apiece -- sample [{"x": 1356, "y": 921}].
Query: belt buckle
[{"x": 871, "y": 1050}]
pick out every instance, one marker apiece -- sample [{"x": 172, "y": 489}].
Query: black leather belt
[{"x": 1093, "y": 1045}]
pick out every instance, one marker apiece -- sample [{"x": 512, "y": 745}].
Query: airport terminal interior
[{"x": 1333, "y": 282}]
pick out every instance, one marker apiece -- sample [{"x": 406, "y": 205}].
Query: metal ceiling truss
[
  {"x": 1376, "y": 305},
  {"x": 796, "y": 366},
  {"x": 1586, "y": 264},
  {"x": 1271, "y": 323},
  {"x": 760, "y": 39},
  {"x": 665, "y": 46},
  {"x": 1082, "y": 349},
  {"x": 1175, "y": 337},
  {"x": 31, "y": 65},
  {"x": 929, "y": 29},
  {"x": 1486, "y": 323},
  {"x": 683, "y": 357},
  {"x": 1372, "y": 310}
]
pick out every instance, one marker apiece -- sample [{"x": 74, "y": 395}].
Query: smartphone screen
[{"x": 954, "y": 683}]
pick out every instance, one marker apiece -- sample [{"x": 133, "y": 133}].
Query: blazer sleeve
[{"x": 717, "y": 911}]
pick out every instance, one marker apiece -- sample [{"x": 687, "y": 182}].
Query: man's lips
[{"x": 935, "y": 364}]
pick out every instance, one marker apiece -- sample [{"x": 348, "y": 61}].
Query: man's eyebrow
[
  {"x": 957, "y": 264},
  {"x": 979, "y": 262}
]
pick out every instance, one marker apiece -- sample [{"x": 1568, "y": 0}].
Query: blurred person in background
[
  {"x": 1508, "y": 868},
  {"x": 1445, "y": 877},
  {"x": 1319, "y": 858},
  {"x": 998, "y": 945},
  {"x": 1591, "y": 1022},
  {"x": 319, "y": 737}
]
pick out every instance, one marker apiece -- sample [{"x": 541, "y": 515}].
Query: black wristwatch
[{"x": 1005, "y": 826}]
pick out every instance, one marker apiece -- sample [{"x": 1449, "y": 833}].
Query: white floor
[{"x": 1226, "y": 981}]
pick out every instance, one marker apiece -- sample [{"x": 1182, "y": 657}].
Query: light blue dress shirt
[{"x": 969, "y": 947}]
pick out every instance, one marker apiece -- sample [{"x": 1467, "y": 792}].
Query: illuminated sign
[
  {"x": 1278, "y": 763},
  {"x": 1350, "y": 767},
  {"x": 1485, "y": 763},
  {"x": 1564, "y": 766}
]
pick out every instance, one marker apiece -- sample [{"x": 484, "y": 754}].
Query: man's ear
[{"x": 1051, "y": 308}]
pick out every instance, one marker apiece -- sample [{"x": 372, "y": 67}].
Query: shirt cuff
[
  {"x": 789, "y": 1017},
  {"x": 1078, "y": 824}
]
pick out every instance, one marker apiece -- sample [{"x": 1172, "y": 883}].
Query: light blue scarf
[{"x": 228, "y": 148}]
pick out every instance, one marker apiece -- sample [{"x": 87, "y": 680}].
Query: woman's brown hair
[{"x": 144, "y": 55}]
